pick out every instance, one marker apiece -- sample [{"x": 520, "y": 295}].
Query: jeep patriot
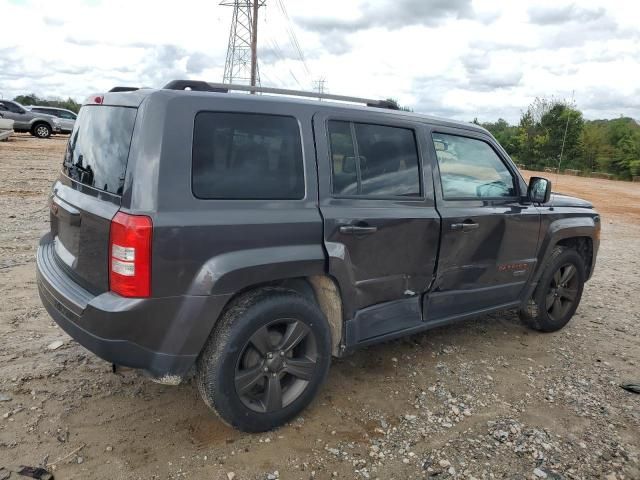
[{"x": 250, "y": 238}]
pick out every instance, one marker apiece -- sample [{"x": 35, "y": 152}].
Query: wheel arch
[
  {"x": 579, "y": 233},
  {"x": 40, "y": 121},
  {"x": 320, "y": 288},
  {"x": 302, "y": 268}
]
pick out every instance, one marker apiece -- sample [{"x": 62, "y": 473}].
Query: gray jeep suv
[
  {"x": 36, "y": 123},
  {"x": 253, "y": 237}
]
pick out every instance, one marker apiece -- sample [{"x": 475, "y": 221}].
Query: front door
[
  {"x": 381, "y": 229},
  {"x": 11, "y": 111},
  {"x": 489, "y": 233}
]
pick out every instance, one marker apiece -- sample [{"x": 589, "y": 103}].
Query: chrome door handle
[
  {"x": 465, "y": 226},
  {"x": 356, "y": 230}
]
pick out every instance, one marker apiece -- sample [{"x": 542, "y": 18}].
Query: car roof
[
  {"x": 134, "y": 98},
  {"x": 51, "y": 108}
]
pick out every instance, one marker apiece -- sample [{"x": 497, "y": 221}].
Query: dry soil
[{"x": 486, "y": 398}]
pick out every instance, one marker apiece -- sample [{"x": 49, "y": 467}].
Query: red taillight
[
  {"x": 98, "y": 99},
  {"x": 130, "y": 255}
]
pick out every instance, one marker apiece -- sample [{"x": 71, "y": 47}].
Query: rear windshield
[
  {"x": 98, "y": 148},
  {"x": 247, "y": 156}
]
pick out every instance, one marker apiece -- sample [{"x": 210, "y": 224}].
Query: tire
[
  {"x": 41, "y": 130},
  {"x": 558, "y": 293},
  {"x": 241, "y": 373}
]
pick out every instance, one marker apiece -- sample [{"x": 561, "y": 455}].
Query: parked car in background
[
  {"x": 6, "y": 128},
  {"x": 37, "y": 124},
  {"x": 67, "y": 118}
]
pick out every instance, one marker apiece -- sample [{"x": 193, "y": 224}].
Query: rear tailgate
[{"x": 89, "y": 192}]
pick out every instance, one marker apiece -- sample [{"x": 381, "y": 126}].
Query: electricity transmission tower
[
  {"x": 241, "y": 65},
  {"x": 319, "y": 85}
]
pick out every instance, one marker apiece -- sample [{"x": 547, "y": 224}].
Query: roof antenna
[{"x": 564, "y": 139}]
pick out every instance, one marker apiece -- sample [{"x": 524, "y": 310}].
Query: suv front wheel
[
  {"x": 558, "y": 293},
  {"x": 265, "y": 360},
  {"x": 41, "y": 130}
]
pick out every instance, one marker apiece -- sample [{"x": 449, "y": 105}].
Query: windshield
[{"x": 98, "y": 148}]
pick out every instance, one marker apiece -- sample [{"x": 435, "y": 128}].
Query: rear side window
[
  {"x": 373, "y": 160},
  {"x": 241, "y": 156},
  {"x": 98, "y": 147}
]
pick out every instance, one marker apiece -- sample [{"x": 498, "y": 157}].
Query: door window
[
  {"x": 373, "y": 160},
  {"x": 12, "y": 107},
  {"x": 471, "y": 169}
]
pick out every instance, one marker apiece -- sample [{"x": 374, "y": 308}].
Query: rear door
[
  {"x": 489, "y": 235},
  {"x": 67, "y": 120},
  {"x": 88, "y": 193},
  {"x": 381, "y": 229}
]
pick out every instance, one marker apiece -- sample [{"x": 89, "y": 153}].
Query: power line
[{"x": 292, "y": 36}]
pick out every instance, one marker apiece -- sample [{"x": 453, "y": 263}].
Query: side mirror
[
  {"x": 349, "y": 165},
  {"x": 539, "y": 190}
]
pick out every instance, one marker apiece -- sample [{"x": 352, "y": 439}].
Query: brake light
[
  {"x": 130, "y": 255},
  {"x": 98, "y": 99}
]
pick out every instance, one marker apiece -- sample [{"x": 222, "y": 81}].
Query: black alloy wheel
[
  {"x": 558, "y": 293},
  {"x": 265, "y": 359},
  {"x": 563, "y": 291},
  {"x": 276, "y": 365}
]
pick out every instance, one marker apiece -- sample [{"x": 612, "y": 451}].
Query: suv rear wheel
[
  {"x": 265, "y": 360},
  {"x": 558, "y": 293},
  {"x": 41, "y": 130}
]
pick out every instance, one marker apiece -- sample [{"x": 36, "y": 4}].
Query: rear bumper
[{"x": 162, "y": 336}]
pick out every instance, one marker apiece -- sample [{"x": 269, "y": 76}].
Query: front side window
[
  {"x": 247, "y": 157},
  {"x": 13, "y": 107},
  {"x": 373, "y": 160},
  {"x": 471, "y": 169}
]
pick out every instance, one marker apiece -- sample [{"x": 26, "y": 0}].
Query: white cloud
[{"x": 459, "y": 58}]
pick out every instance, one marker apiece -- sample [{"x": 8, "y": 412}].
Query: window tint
[
  {"x": 379, "y": 161},
  {"x": 67, "y": 115},
  {"x": 470, "y": 168},
  {"x": 247, "y": 156}
]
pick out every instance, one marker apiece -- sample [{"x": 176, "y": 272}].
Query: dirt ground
[{"x": 481, "y": 399}]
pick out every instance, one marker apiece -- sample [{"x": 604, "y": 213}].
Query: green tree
[
  {"x": 543, "y": 128},
  {"x": 562, "y": 124},
  {"x": 506, "y": 134},
  {"x": 33, "y": 99}
]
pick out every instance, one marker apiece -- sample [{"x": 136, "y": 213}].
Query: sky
[{"x": 460, "y": 59}]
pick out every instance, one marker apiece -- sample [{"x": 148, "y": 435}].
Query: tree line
[
  {"x": 606, "y": 146},
  {"x": 33, "y": 99}
]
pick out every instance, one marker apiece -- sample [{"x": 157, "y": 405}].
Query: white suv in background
[{"x": 67, "y": 118}]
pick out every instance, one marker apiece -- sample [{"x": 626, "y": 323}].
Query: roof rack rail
[
  {"x": 201, "y": 86},
  {"x": 124, "y": 89}
]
